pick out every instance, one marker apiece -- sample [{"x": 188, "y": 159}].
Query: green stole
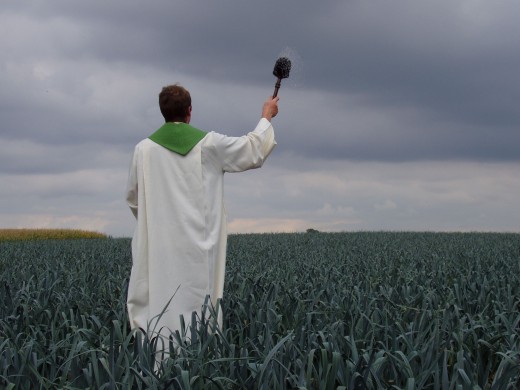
[{"x": 177, "y": 137}]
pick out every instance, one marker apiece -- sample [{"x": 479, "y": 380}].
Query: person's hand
[{"x": 270, "y": 108}]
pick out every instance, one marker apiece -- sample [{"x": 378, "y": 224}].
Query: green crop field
[{"x": 311, "y": 311}]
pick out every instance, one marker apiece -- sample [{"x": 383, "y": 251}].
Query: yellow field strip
[{"x": 46, "y": 234}]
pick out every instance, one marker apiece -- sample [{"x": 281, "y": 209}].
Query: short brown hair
[{"x": 174, "y": 102}]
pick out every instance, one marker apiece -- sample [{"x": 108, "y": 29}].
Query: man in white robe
[{"x": 175, "y": 191}]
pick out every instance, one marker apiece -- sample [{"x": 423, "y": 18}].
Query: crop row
[{"x": 314, "y": 310}]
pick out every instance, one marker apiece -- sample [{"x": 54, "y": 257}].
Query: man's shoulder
[{"x": 144, "y": 144}]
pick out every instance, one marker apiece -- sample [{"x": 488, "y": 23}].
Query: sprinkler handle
[{"x": 277, "y": 87}]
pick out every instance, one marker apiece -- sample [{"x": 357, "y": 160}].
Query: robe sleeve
[
  {"x": 237, "y": 154},
  {"x": 131, "y": 186}
]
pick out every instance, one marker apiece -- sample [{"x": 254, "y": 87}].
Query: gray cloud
[
  {"x": 456, "y": 63},
  {"x": 400, "y": 82}
]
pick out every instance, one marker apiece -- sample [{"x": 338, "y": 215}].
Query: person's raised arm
[{"x": 237, "y": 154}]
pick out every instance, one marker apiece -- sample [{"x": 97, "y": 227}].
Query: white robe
[{"x": 179, "y": 243}]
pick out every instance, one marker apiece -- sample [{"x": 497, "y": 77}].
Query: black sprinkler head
[{"x": 282, "y": 68}]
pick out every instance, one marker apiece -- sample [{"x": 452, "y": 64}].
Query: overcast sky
[{"x": 398, "y": 115}]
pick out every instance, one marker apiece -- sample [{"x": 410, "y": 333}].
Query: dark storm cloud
[
  {"x": 455, "y": 67},
  {"x": 444, "y": 74},
  {"x": 457, "y": 63},
  {"x": 211, "y": 39}
]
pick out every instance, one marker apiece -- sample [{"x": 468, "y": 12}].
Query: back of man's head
[{"x": 175, "y": 103}]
